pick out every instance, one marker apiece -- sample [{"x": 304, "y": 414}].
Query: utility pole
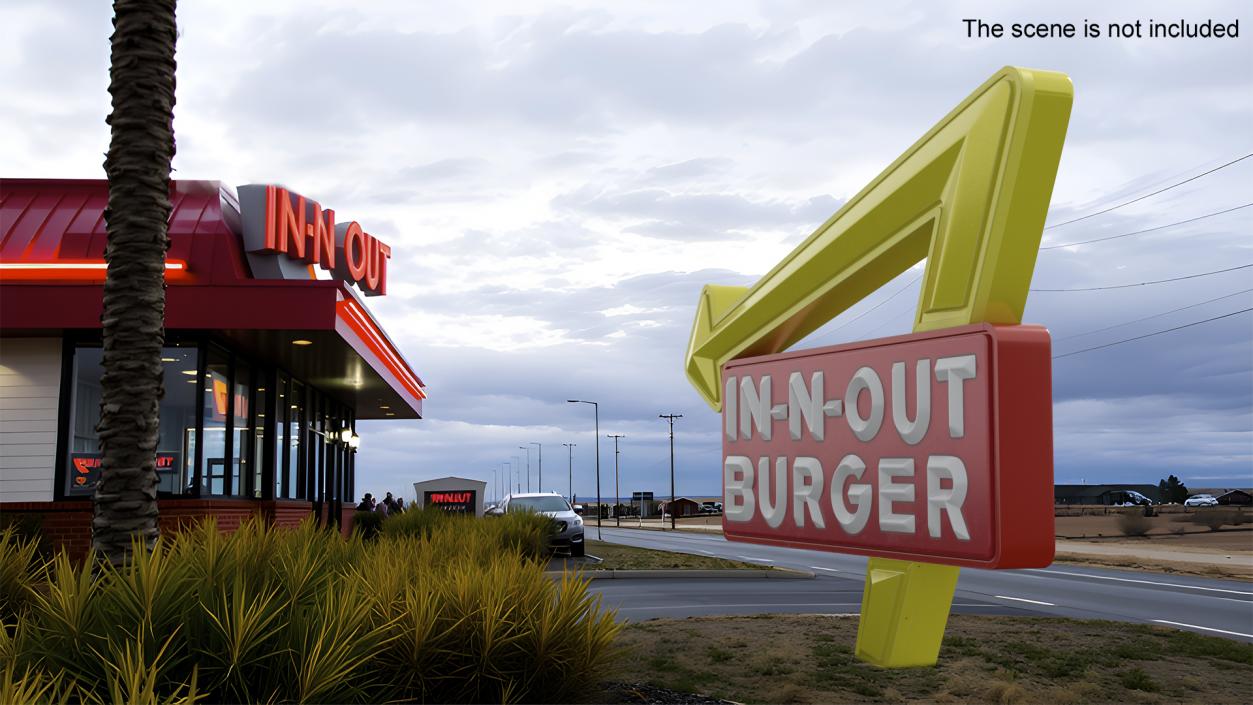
[
  {"x": 540, "y": 484},
  {"x": 671, "y": 418},
  {"x": 570, "y": 480},
  {"x": 616, "y": 492},
  {"x": 528, "y": 466},
  {"x": 596, "y": 411}
]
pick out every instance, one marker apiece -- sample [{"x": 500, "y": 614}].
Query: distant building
[
  {"x": 683, "y": 507},
  {"x": 1102, "y": 494},
  {"x": 1236, "y": 497}
]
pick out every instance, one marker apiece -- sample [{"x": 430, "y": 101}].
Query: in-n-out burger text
[
  {"x": 892, "y": 448},
  {"x": 848, "y": 500}
]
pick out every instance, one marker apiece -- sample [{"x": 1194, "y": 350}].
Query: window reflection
[
  {"x": 175, "y": 460},
  {"x": 215, "y": 406}
]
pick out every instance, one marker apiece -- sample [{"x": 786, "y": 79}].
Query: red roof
[{"x": 52, "y": 241}]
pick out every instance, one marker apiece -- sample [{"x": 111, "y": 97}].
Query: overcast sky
[{"x": 557, "y": 182}]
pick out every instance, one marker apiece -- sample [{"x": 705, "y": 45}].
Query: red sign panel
[
  {"x": 458, "y": 501},
  {"x": 933, "y": 446}
]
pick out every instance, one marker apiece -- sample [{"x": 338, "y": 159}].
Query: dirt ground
[
  {"x": 1169, "y": 529},
  {"x": 809, "y": 659}
]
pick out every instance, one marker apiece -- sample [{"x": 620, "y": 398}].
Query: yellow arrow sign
[{"x": 970, "y": 196}]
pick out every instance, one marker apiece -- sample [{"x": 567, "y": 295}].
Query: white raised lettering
[
  {"x": 947, "y": 501},
  {"x": 772, "y": 513},
  {"x": 953, "y": 371},
  {"x": 755, "y": 407},
  {"x": 912, "y": 431},
  {"x": 891, "y": 492},
  {"x": 868, "y": 380},
  {"x": 806, "y": 403},
  {"x": 806, "y": 490},
  {"x": 737, "y": 483},
  {"x": 850, "y": 467},
  {"x": 728, "y": 414}
]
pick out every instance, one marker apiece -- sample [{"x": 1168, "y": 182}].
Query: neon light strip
[
  {"x": 361, "y": 323},
  {"x": 170, "y": 265}
]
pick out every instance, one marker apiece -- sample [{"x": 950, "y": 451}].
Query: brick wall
[{"x": 68, "y": 523}]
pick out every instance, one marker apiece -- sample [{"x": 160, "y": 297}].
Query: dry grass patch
[{"x": 809, "y": 659}]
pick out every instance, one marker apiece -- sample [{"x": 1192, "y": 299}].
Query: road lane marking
[
  {"x": 1133, "y": 580},
  {"x": 818, "y": 567},
  {"x": 1208, "y": 629},
  {"x": 1023, "y": 599},
  {"x": 751, "y": 558},
  {"x": 764, "y": 605}
]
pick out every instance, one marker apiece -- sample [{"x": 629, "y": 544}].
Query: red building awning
[{"x": 52, "y": 239}]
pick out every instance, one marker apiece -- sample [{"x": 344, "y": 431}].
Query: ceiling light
[
  {"x": 168, "y": 359},
  {"x": 384, "y": 406},
  {"x": 345, "y": 435},
  {"x": 301, "y": 341},
  {"x": 188, "y": 372},
  {"x": 391, "y": 413},
  {"x": 354, "y": 442}
]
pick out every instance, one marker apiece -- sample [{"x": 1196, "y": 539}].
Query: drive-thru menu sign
[{"x": 934, "y": 447}]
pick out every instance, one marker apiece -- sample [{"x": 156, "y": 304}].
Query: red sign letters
[
  {"x": 932, "y": 446},
  {"x": 301, "y": 229}
]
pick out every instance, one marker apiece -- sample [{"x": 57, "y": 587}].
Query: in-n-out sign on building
[{"x": 927, "y": 451}]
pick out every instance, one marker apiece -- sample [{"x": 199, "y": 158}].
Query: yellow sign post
[{"x": 971, "y": 196}]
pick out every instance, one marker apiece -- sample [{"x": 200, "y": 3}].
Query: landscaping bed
[
  {"x": 619, "y": 557},
  {"x": 809, "y": 659}
]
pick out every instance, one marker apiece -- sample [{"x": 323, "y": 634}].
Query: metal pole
[
  {"x": 517, "y": 471},
  {"x": 671, "y": 418},
  {"x": 616, "y": 491},
  {"x": 528, "y": 466},
  {"x": 596, "y": 411},
  {"x": 540, "y": 483},
  {"x": 570, "y": 471}
]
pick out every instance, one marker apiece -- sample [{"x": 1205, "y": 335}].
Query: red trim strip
[
  {"x": 76, "y": 269},
  {"x": 360, "y": 322}
]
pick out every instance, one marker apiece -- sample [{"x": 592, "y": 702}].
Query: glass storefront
[
  {"x": 229, "y": 427},
  {"x": 175, "y": 446}
]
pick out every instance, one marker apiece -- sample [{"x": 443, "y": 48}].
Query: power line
[
  {"x": 1146, "y": 230},
  {"x": 1154, "y": 193},
  {"x": 1159, "y": 281},
  {"x": 872, "y": 308},
  {"x": 1150, "y": 335},
  {"x": 1156, "y": 315}
]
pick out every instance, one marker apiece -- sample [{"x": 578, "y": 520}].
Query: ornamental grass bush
[
  {"x": 1133, "y": 522},
  {"x": 303, "y": 615}
]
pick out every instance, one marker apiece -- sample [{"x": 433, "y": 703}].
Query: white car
[
  {"x": 552, "y": 505},
  {"x": 1201, "y": 500}
]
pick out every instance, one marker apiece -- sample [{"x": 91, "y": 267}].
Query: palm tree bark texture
[{"x": 141, "y": 148}]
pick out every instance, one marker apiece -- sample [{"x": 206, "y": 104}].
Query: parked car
[
  {"x": 1201, "y": 500},
  {"x": 711, "y": 507},
  {"x": 1134, "y": 499},
  {"x": 569, "y": 534}
]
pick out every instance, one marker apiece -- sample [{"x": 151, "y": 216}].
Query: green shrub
[
  {"x": 1132, "y": 522},
  {"x": 19, "y": 569},
  {"x": 416, "y": 521},
  {"x": 272, "y": 615}
]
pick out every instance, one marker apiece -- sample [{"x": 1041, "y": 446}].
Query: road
[{"x": 1215, "y": 607}]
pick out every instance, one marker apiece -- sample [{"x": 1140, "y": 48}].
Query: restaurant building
[{"x": 271, "y": 356}]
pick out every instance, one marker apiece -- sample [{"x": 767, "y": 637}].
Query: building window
[
  {"x": 295, "y": 439},
  {"x": 215, "y": 406},
  {"x": 175, "y": 455}
]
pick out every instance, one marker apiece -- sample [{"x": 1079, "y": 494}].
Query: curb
[{"x": 735, "y": 574}]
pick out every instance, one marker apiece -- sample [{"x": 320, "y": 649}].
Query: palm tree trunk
[{"x": 141, "y": 148}]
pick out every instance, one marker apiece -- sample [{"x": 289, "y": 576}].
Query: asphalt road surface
[{"x": 1215, "y": 607}]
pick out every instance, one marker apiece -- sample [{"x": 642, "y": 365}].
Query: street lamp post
[
  {"x": 517, "y": 472},
  {"x": 671, "y": 418},
  {"x": 570, "y": 471},
  {"x": 617, "y": 493},
  {"x": 596, "y": 412},
  {"x": 528, "y": 466},
  {"x": 540, "y": 483}
]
